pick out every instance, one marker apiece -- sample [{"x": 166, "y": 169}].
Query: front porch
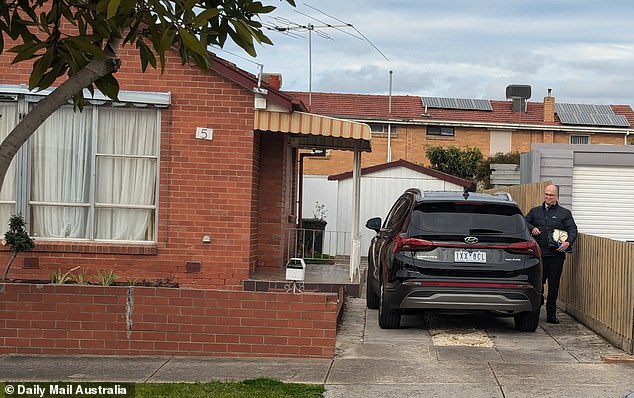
[{"x": 323, "y": 278}]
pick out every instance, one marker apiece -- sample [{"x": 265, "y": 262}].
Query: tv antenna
[{"x": 289, "y": 27}]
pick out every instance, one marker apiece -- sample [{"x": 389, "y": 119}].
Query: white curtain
[
  {"x": 126, "y": 174},
  {"x": 8, "y": 120},
  {"x": 60, "y": 173}
]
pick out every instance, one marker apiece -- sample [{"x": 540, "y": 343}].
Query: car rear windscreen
[{"x": 467, "y": 218}]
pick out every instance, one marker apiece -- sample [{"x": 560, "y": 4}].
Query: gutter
[{"x": 498, "y": 126}]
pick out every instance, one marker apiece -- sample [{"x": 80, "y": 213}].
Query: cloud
[{"x": 584, "y": 51}]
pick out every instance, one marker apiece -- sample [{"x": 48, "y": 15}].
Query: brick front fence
[{"x": 121, "y": 320}]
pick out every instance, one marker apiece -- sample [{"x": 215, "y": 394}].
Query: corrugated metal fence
[{"x": 597, "y": 285}]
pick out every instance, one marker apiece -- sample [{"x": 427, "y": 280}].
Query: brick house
[
  {"x": 490, "y": 125},
  {"x": 190, "y": 176}
]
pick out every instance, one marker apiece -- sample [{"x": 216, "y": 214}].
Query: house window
[
  {"x": 440, "y": 131},
  {"x": 91, "y": 175},
  {"x": 380, "y": 130},
  {"x": 579, "y": 139}
]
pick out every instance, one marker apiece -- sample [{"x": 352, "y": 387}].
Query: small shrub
[
  {"x": 17, "y": 238},
  {"x": 60, "y": 278},
  {"x": 320, "y": 212},
  {"x": 168, "y": 282},
  {"x": 80, "y": 278},
  {"x": 106, "y": 278}
]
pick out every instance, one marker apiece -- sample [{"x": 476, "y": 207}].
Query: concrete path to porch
[{"x": 325, "y": 278}]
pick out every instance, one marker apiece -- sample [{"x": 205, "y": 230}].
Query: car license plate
[{"x": 470, "y": 257}]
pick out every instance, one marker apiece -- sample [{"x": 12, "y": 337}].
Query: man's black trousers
[{"x": 553, "y": 266}]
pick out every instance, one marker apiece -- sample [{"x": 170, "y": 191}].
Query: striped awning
[{"x": 316, "y": 131}]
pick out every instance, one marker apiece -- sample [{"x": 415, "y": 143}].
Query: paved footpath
[{"x": 430, "y": 356}]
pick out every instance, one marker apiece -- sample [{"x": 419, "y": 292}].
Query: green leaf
[
  {"x": 46, "y": 80},
  {"x": 109, "y": 86},
  {"x": 87, "y": 47},
  {"x": 202, "y": 18},
  {"x": 127, "y": 6},
  {"x": 191, "y": 42},
  {"x": 133, "y": 33},
  {"x": 146, "y": 55},
  {"x": 78, "y": 101},
  {"x": 242, "y": 37},
  {"x": 26, "y": 51},
  {"x": 113, "y": 7},
  {"x": 4, "y": 10},
  {"x": 67, "y": 12},
  {"x": 44, "y": 63},
  {"x": 26, "y": 8}
]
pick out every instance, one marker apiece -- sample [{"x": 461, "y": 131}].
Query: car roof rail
[
  {"x": 504, "y": 195},
  {"x": 414, "y": 191}
]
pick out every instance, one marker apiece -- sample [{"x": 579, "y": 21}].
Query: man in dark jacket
[{"x": 543, "y": 221}]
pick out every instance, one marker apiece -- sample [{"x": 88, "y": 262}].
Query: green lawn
[{"x": 261, "y": 388}]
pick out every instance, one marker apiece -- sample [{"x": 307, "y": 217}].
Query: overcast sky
[{"x": 583, "y": 50}]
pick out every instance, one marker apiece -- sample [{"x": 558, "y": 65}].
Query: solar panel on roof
[
  {"x": 584, "y": 109},
  {"x": 590, "y": 114},
  {"x": 457, "y": 103}
]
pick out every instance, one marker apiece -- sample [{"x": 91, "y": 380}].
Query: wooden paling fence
[
  {"x": 597, "y": 285},
  {"x": 526, "y": 195}
]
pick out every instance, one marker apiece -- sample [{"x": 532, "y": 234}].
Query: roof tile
[{"x": 407, "y": 107}]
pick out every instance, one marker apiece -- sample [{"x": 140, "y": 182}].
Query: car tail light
[
  {"x": 402, "y": 244},
  {"x": 528, "y": 247}
]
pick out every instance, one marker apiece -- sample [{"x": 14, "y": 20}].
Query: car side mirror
[{"x": 374, "y": 224}]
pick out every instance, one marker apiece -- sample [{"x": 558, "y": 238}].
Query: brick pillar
[{"x": 275, "y": 192}]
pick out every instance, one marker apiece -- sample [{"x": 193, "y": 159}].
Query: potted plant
[{"x": 313, "y": 231}]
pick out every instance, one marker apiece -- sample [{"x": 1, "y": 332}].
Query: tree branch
[{"x": 95, "y": 70}]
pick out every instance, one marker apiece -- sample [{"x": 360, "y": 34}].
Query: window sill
[
  {"x": 96, "y": 247},
  {"x": 441, "y": 137}
]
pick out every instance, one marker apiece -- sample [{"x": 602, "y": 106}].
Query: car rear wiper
[{"x": 484, "y": 231}]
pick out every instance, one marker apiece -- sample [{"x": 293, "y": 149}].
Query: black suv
[{"x": 454, "y": 251}]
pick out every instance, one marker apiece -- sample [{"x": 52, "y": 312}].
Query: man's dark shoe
[{"x": 552, "y": 319}]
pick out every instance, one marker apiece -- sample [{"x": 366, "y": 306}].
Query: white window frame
[
  {"x": 443, "y": 131},
  {"x": 579, "y": 137},
  {"x": 380, "y": 129}
]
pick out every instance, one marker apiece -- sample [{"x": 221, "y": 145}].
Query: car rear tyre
[
  {"x": 371, "y": 298},
  {"x": 527, "y": 321},
  {"x": 388, "y": 319}
]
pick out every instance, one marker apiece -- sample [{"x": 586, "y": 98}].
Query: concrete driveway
[{"x": 441, "y": 356}]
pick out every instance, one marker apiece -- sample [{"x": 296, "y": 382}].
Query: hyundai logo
[{"x": 472, "y": 240}]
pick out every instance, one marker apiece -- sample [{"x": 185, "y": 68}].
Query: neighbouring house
[
  {"x": 381, "y": 185},
  {"x": 596, "y": 182},
  {"x": 403, "y": 125}
]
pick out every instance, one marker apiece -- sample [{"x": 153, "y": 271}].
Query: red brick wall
[
  {"x": 206, "y": 187},
  {"x": 117, "y": 320}
]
